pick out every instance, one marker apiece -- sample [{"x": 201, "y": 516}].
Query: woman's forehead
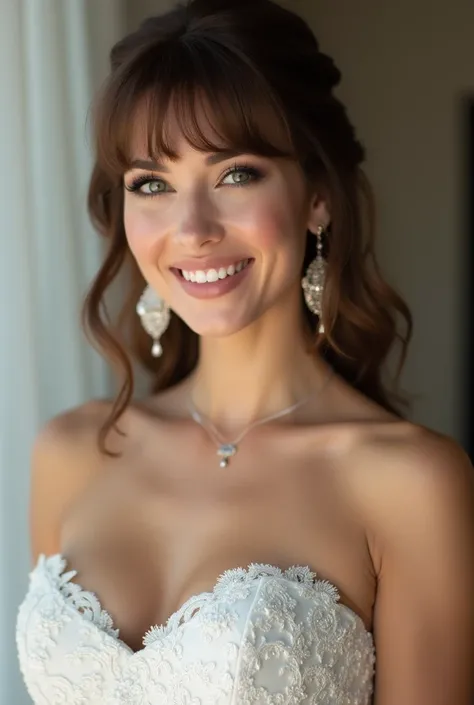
[{"x": 198, "y": 126}]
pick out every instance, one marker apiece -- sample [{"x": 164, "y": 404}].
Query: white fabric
[{"x": 263, "y": 636}]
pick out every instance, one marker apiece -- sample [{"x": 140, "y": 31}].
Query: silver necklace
[{"x": 226, "y": 450}]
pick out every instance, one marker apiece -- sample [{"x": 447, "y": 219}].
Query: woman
[{"x": 264, "y": 527}]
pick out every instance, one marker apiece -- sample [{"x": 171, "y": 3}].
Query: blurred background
[{"x": 408, "y": 81}]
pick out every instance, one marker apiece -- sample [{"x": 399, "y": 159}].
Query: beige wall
[
  {"x": 406, "y": 68},
  {"x": 138, "y": 9}
]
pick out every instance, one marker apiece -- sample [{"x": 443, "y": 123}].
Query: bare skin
[
  {"x": 383, "y": 509},
  {"x": 150, "y": 529}
]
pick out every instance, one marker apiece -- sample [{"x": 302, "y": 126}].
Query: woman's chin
[{"x": 221, "y": 327}]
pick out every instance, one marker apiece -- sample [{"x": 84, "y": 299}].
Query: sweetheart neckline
[{"x": 55, "y": 568}]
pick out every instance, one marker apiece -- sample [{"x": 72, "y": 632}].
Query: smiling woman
[
  {"x": 216, "y": 92},
  {"x": 264, "y": 526}
]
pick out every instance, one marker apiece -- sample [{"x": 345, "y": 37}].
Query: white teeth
[{"x": 213, "y": 275}]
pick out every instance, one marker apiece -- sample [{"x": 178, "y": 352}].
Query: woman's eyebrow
[{"x": 210, "y": 161}]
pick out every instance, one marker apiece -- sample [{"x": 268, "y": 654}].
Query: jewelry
[
  {"x": 155, "y": 317},
  {"x": 314, "y": 281},
  {"x": 226, "y": 450}
]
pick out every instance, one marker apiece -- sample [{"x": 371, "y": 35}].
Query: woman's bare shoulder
[
  {"x": 403, "y": 444},
  {"x": 399, "y": 470},
  {"x": 72, "y": 428},
  {"x": 65, "y": 459},
  {"x": 391, "y": 453}
]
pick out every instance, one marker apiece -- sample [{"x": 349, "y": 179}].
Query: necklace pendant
[{"x": 225, "y": 452}]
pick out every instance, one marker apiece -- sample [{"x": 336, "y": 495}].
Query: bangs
[{"x": 193, "y": 88}]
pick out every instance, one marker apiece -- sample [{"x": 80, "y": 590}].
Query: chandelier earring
[
  {"x": 155, "y": 317},
  {"x": 314, "y": 281}
]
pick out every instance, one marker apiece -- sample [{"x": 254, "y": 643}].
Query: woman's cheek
[
  {"x": 271, "y": 227},
  {"x": 141, "y": 228}
]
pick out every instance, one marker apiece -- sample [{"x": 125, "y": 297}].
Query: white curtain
[{"x": 52, "y": 55}]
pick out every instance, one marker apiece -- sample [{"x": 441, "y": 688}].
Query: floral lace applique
[{"x": 262, "y": 636}]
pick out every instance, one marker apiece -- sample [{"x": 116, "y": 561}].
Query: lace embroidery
[
  {"x": 85, "y": 602},
  {"x": 262, "y": 636}
]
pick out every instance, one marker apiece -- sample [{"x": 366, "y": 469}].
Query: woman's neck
[{"x": 255, "y": 373}]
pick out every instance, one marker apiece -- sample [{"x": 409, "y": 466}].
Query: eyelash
[{"x": 140, "y": 181}]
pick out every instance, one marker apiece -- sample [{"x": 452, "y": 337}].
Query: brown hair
[{"x": 245, "y": 57}]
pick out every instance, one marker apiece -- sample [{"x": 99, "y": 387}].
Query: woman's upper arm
[
  {"x": 62, "y": 461},
  {"x": 424, "y": 610}
]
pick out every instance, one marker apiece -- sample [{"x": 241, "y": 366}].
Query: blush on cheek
[
  {"x": 132, "y": 234},
  {"x": 141, "y": 231},
  {"x": 274, "y": 229}
]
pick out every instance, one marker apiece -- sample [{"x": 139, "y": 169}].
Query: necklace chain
[{"x": 227, "y": 449}]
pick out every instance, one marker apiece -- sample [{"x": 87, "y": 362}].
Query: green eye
[
  {"x": 242, "y": 175},
  {"x": 151, "y": 187},
  {"x": 147, "y": 185}
]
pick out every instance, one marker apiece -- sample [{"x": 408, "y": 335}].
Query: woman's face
[{"x": 220, "y": 237}]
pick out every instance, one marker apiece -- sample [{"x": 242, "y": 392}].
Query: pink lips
[{"x": 211, "y": 290}]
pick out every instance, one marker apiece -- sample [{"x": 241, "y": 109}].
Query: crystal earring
[
  {"x": 313, "y": 282},
  {"x": 155, "y": 317}
]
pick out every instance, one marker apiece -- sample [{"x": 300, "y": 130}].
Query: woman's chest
[{"x": 145, "y": 543}]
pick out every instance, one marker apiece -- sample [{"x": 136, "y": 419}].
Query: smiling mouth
[{"x": 209, "y": 276}]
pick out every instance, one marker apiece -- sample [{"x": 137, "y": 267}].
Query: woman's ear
[{"x": 319, "y": 211}]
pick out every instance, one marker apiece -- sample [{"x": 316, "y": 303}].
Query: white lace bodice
[{"x": 263, "y": 636}]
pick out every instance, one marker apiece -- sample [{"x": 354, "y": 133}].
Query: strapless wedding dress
[{"x": 263, "y": 636}]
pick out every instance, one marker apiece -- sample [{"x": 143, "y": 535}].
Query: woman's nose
[{"x": 198, "y": 224}]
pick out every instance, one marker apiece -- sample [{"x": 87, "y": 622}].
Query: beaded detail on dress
[{"x": 262, "y": 636}]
